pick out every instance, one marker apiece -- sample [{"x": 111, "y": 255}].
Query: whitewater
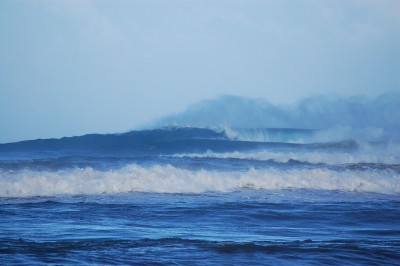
[
  {"x": 209, "y": 191},
  {"x": 170, "y": 179}
]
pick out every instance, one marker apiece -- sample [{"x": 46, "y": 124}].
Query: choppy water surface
[{"x": 198, "y": 196}]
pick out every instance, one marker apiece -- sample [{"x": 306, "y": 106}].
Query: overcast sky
[{"x": 76, "y": 67}]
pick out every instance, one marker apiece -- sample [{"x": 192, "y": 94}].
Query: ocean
[{"x": 200, "y": 196}]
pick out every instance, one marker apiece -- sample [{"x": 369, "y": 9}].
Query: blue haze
[{"x": 76, "y": 67}]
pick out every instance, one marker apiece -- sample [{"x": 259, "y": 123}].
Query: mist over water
[{"x": 358, "y": 117}]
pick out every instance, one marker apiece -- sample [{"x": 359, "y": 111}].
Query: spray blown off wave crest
[
  {"x": 353, "y": 117},
  {"x": 169, "y": 179}
]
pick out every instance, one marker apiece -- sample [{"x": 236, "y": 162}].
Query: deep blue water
[{"x": 190, "y": 196}]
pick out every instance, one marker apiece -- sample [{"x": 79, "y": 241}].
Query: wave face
[{"x": 197, "y": 160}]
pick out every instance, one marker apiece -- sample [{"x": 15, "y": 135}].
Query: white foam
[{"x": 169, "y": 179}]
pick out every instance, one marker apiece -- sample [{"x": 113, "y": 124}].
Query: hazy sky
[{"x": 75, "y": 67}]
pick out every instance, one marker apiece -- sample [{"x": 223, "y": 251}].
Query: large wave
[
  {"x": 232, "y": 143},
  {"x": 165, "y": 141}
]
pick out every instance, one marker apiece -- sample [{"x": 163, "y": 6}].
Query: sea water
[{"x": 197, "y": 196}]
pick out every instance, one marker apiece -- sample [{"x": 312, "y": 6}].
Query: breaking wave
[
  {"x": 224, "y": 145},
  {"x": 169, "y": 179}
]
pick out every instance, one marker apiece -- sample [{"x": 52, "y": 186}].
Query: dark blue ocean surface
[{"x": 192, "y": 196}]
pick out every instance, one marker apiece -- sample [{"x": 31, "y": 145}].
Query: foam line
[
  {"x": 169, "y": 179},
  {"x": 314, "y": 157}
]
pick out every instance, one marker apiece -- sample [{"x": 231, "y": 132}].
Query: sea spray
[{"x": 363, "y": 118}]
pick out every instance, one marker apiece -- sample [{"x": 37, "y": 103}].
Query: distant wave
[
  {"x": 171, "y": 140},
  {"x": 169, "y": 179}
]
